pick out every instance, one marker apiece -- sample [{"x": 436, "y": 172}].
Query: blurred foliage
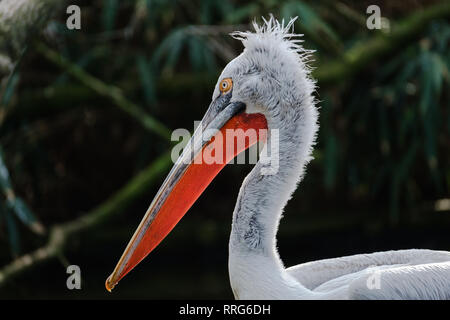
[
  {"x": 384, "y": 136},
  {"x": 398, "y": 121},
  {"x": 14, "y": 206}
]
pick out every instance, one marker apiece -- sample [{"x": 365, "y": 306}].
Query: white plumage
[
  {"x": 270, "y": 83},
  {"x": 271, "y": 77}
]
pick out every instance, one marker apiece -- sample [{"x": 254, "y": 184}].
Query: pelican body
[{"x": 268, "y": 86}]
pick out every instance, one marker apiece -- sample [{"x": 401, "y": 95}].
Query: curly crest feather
[{"x": 275, "y": 34}]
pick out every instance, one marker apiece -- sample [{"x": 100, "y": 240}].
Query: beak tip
[{"x": 109, "y": 285}]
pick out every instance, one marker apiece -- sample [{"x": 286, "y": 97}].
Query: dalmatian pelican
[{"x": 269, "y": 86}]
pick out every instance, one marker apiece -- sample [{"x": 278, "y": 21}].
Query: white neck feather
[
  {"x": 254, "y": 260},
  {"x": 272, "y": 77}
]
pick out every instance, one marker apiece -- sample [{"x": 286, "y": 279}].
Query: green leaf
[
  {"x": 432, "y": 78},
  {"x": 400, "y": 173},
  {"x": 83, "y": 62},
  {"x": 170, "y": 48},
  {"x": 13, "y": 233},
  {"x": 330, "y": 160},
  {"x": 312, "y": 24},
  {"x": 196, "y": 53},
  {"x": 404, "y": 61},
  {"x": 427, "y": 92},
  {"x": 11, "y": 86},
  {"x": 12, "y": 82},
  {"x": 438, "y": 69},
  {"x": 147, "y": 79},
  {"x": 209, "y": 60},
  {"x": 25, "y": 215},
  {"x": 5, "y": 182},
  {"x": 407, "y": 72},
  {"x": 109, "y": 14}
]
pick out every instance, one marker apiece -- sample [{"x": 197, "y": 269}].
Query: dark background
[{"x": 379, "y": 180}]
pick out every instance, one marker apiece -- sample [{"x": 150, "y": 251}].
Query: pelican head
[
  {"x": 267, "y": 86},
  {"x": 271, "y": 75}
]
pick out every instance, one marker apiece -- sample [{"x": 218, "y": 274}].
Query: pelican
[{"x": 269, "y": 86}]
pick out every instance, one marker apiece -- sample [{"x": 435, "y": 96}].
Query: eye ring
[{"x": 225, "y": 85}]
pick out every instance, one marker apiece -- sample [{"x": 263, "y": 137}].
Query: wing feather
[
  {"x": 316, "y": 273},
  {"x": 418, "y": 282}
]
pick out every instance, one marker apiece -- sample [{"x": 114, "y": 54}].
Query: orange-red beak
[{"x": 189, "y": 177}]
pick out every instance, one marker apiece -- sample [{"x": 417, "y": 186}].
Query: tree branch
[
  {"x": 19, "y": 19},
  {"x": 38, "y": 103},
  {"x": 109, "y": 91},
  {"x": 61, "y": 233}
]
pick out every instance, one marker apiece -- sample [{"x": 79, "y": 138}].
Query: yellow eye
[{"x": 225, "y": 85}]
